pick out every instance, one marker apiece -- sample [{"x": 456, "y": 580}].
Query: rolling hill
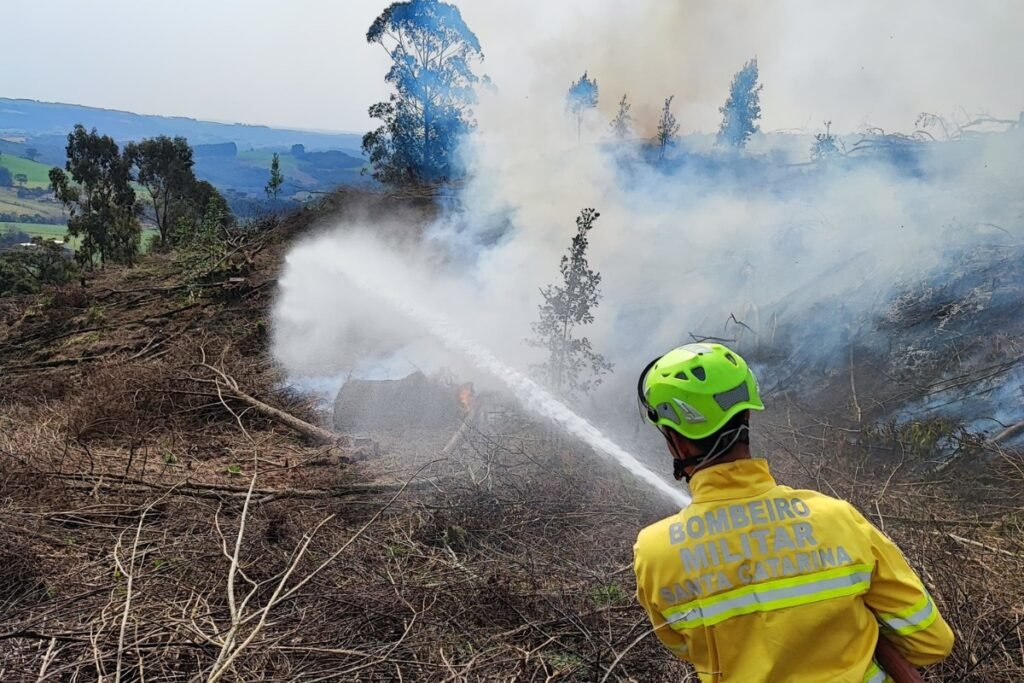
[
  {"x": 32, "y": 119},
  {"x": 233, "y": 157},
  {"x": 37, "y": 173}
]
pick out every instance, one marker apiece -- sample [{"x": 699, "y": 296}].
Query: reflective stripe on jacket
[{"x": 756, "y": 582}]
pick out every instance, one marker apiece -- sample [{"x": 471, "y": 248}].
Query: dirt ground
[{"x": 158, "y": 523}]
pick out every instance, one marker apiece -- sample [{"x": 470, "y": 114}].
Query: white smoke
[
  {"x": 855, "y": 63},
  {"x": 680, "y": 251}
]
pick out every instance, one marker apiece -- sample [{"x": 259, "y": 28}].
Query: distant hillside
[
  {"x": 234, "y": 157},
  {"x": 32, "y": 119},
  {"x": 36, "y": 174}
]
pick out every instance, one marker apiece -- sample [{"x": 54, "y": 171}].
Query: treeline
[
  {"x": 33, "y": 218},
  {"x": 96, "y": 187}
]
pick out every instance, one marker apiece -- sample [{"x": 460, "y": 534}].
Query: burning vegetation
[
  {"x": 157, "y": 526},
  {"x": 176, "y": 504}
]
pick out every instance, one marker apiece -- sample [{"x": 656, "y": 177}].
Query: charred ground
[{"x": 169, "y": 512}]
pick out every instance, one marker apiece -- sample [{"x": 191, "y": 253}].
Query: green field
[
  {"x": 11, "y": 203},
  {"x": 38, "y": 174},
  {"x": 50, "y": 232},
  {"x": 261, "y": 158},
  {"x": 60, "y": 232}
]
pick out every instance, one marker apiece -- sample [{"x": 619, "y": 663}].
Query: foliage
[
  {"x": 6, "y": 179},
  {"x": 31, "y": 153},
  {"x": 825, "y": 145},
  {"x": 276, "y": 179},
  {"x": 26, "y": 218},
  {"x": 165, "y": 170},
  {"x": 202, "y": 242},
  {"x": 95, "y": 186},
  {"x": 572, "y": 362},
  {"x": 582, "y": 96},
  {"x": 742, "y": 109},
  {"x": 667, "y": 128},
  {"x": 11, "y": 237},
  {"x": 23, "y": 270},
  {"x": 622, "y": 125},
  {"x": 431, "y": 49},
  {"x": 607, "y": 594},
  {"x": 566, "y": 662},
  {"x": 205, "y": 200}
]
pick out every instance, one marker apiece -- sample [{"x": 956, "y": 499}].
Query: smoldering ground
[{"x": 687, "y": 246}]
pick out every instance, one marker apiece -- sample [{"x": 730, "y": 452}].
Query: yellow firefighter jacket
[{"x": 756, "y": 582}]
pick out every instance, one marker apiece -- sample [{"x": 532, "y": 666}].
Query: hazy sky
[{"x": 306, "y": 64}]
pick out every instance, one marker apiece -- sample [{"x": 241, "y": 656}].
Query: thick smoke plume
[
  {"x": 863, "y": 63},
  {"x": 682, "y": 246}
]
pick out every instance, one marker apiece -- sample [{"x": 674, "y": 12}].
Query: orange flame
[{"x": 466, "y": 395}]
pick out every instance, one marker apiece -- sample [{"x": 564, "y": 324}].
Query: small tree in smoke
[
  {"x": 825, "y": 145},
  {"x": 276, "y": 178},
  {"x": 432, "y": 50},
  {"x": 667, "y": 128},
  {"x": 582, "y": 96},
  {"x": 622, "y": 124},
  {"x": 572, "y": 362},
  {"x": 742, "y": 110}
]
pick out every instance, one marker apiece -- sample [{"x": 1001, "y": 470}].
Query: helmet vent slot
[
  {"x": 682, "y": 376},
  {"x": 666, "y": 412},
  {"x": 732, "y": 359},
  {"x": 728, "y": 399},
  {"x": 699, "y": 373}
]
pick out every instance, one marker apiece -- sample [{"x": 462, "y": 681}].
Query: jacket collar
[{"x": 738, "y": 479}]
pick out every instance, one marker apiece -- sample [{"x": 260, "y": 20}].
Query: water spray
[{"x": 529, "y": 393}]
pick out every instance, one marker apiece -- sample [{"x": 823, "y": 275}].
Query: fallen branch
[
  {"x": 225, "y": 382},
  {"x": 1009, "y": 432},
  {"x": 310, "y": 431},
  {"x": 961, "y": 539},
  {"x": 231, "y": 647},
  {"x": 220, "y": 491},
  {"x": 460, "y": 434}
]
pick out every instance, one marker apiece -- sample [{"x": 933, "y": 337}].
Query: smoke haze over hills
[{"x": 307, "y": 65}]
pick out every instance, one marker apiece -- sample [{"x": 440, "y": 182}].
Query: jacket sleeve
[
  {"x": 671, "y": 639},
  {"x": 906, "y": 614}
]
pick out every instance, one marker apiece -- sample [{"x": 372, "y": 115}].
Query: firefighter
[{"x": 757, "y": 582}]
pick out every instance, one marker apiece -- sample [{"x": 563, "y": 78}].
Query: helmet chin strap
[{"x": 698, "y": 462}]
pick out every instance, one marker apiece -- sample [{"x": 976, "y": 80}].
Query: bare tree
[{"x": 667, "y": 128}]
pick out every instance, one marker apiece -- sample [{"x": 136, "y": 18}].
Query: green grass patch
[
  {"x": 11, "y": 203},
  {"x": 42, "y": 230},
  {"x": 38, "y": 174},
  {"x": 49, "y": 232},
  {"x": 607, "y": 594},
  {"x": 262, "y": 158},
  {"x": 60, "y": 232}
]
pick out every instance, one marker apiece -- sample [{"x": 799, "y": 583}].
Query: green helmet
[{"x": 696, "y": 389}]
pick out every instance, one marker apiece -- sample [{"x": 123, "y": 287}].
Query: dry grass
[
  {"x": 153, "y": 528},
  {"x": 959, "y": 527}
]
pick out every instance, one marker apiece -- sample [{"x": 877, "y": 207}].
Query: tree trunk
[{"x": 312, "y": 432}]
